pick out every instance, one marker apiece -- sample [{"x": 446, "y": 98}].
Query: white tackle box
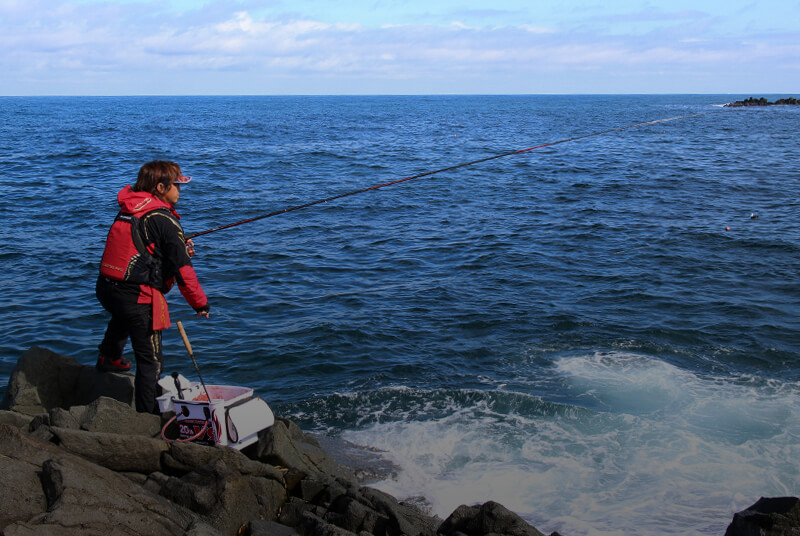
[{"x": 232, "y": 417}]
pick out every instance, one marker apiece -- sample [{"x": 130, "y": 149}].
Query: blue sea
[{"x": 603, "y": 335}]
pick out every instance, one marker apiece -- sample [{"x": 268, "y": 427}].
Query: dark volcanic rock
[
  {"x": 13, "y": 418},
  {"x": 779, "y": 516},
  {"x": 21, "y": 495},
  {"x": 114, "y": 417},
  {"x": 223, "y": 496},
  {"x": 259, "y": 527},
  {"x": 374, "y": 512},
  {"x": 79, "y": 497},
  {"x": 116, "y": 452},
  {"x": 489, "y": 518},
  {"x": 285, "y": 445},
  {"x": 185, "y": 457},
  {"x": 43, "y": 380}
]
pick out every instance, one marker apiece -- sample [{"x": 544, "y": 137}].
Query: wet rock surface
[{"x": 775, "y": 516}]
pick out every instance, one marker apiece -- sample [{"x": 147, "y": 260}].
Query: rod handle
[{"x": 185, "y": 338}]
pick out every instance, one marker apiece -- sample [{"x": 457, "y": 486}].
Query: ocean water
[{"x": 602, "y": 335}]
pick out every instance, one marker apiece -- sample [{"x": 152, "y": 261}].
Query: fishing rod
[{"x": 442, "y": 170}]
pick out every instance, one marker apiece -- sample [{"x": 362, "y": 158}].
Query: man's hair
[{"x": 157, "y": 171}]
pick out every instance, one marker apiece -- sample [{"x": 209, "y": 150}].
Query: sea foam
[{"x": 652, "y": 449}]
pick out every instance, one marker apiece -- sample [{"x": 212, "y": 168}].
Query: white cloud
[
  {"x": 538, "y": 29},
  {"x": 43, "y": 43}
]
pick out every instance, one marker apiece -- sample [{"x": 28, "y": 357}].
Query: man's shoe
[{"x": 105, "y": 364}]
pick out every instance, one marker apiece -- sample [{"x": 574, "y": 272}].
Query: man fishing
[{"x": 145, "y": 254}]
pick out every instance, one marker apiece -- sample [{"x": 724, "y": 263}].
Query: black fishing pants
[{"x": 130, "y": 319}]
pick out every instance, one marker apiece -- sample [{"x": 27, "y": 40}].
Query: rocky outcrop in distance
[
  {"x": 78, "y": 459},
  {"x": 751, "y": 101}
]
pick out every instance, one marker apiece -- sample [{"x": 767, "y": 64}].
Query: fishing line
[{"x": 442, "y": 170}]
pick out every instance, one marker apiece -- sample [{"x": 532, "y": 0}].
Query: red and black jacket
[{"x": 146, "y": 246}]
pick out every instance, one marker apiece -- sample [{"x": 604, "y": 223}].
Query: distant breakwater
[{"x": 752, "y": 101}]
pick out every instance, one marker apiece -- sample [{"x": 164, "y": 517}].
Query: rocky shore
[
  {"x": 751, "y": 101},
  {"x": 77, "y": 459}
]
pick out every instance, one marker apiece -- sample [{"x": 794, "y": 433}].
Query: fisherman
[{"x": 145, "y": 254}]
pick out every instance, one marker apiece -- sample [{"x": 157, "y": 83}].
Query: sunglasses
[{"x": 168, "y": 185}]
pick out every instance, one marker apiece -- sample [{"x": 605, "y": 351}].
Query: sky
[{"x": 398, "y": 47}]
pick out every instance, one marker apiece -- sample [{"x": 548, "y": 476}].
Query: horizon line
[{"x": 55, "y": 95}]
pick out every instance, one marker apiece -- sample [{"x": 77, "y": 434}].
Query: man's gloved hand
[{"x": 204, "y": 311}]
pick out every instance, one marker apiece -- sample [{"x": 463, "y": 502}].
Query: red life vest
[{"x": 126, "y": 257}]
